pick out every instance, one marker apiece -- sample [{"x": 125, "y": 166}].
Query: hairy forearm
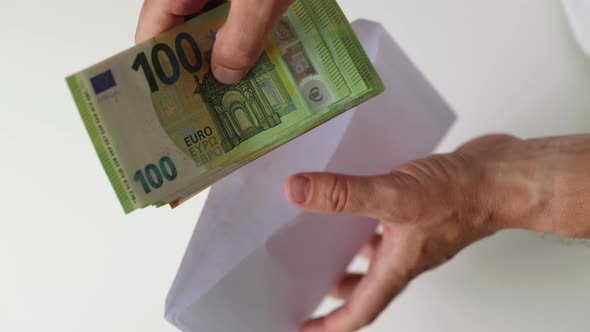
[{"x": 543, "y": 185}]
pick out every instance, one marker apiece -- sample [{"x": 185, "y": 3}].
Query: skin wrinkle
[
  {"x": 441, "y": 165},
  {"x": 413, "y": 170},
  {"x": 407, "y": 197},
  {"x": 375, "y": 203},
  {"x": 358, "y": 198},
  {"x": 342, "y": 196},
  {"x": 333, "y": 195}
]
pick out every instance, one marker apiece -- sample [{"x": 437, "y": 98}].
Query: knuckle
[
  {"x": 337, "y": 196},
  {"x": 435, "y": 167},
  {"x": 442, "y": 179}
]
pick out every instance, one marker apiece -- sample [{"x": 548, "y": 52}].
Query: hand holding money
[
  {"x": 239, "y": 42},
  {"x": 165, "y": 128}
]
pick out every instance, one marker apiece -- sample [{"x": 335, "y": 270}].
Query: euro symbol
[{"x": 315, "y": 95}]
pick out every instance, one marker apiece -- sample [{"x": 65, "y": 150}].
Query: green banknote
[{"x": 164, "y": 128}]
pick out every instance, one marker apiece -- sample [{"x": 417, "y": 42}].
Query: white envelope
[
  {"x": 578, "y": 14},
  {"x": 255, "y": 263}
]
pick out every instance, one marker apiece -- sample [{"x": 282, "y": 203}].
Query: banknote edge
[
  {"x": 358, "y": 56},
  {"x": 98, "y": 144}
]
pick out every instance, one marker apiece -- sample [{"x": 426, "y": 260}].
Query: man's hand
[
  {"x": 239, "y": 42},
  {"x": 433, "y": 208}
]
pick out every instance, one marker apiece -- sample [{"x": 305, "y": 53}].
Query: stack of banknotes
[{"x": 165, "y": 129}]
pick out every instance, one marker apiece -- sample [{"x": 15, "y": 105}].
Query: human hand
[
  {"x": 239, "y": 42},
  {"x": 433, "y": 208}
]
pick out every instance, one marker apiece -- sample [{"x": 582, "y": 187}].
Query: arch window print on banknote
[
  {"x": 171, "y": 130},
  {"x": 248, "y": 108}
]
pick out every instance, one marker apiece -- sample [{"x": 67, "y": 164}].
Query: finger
[
  {"x": 370, "y": 297},
  {"x": 368, "y": 251},
  {"x": 341, "y": 194},
  {"x": 241, "y": 40},
  {"x": 161, "y": 15},
  {"x": 348, "y": 283},
  {"x": 346, "y": 286}
]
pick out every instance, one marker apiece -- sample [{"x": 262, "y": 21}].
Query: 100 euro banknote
[{"x": 164, "y": 128}]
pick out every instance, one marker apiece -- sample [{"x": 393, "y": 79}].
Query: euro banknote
[{"x": 164, "y": 128}]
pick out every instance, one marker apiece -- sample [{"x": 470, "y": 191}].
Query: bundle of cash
[{"x": 165, "y": 129}]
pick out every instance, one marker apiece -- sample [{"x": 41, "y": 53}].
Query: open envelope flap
[
  {"x": 244, "y": 209},
  {"x": 404, "y": 123},
  {"x": 257, "y": 264}
]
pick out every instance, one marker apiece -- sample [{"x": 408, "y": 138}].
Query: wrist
[
  {"x": 515, "y": 187},
  {"x": 512, "y": 194},
  {"x": 541, "y": 185}
]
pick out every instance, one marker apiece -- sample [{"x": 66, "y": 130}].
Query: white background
[{"x": 71, "y": 261}]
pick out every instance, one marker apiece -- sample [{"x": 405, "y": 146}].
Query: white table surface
[{"x": 71, "y": 261}]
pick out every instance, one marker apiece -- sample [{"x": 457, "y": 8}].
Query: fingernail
[
  {"x": 228, "y": 76},
  {"x": 300, "y": 186}
]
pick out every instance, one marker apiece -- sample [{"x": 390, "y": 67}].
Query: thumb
[
  {"x": 241, "y": 40},
  {"x": 371, "y": 196}
]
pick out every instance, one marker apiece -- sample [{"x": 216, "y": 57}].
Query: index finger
[{"x": 161, "y": 15}]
